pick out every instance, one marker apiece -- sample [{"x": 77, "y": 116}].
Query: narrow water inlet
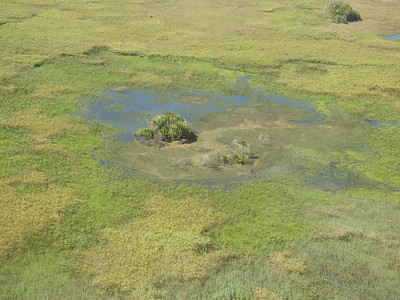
[{"x": 393, "y": 36}]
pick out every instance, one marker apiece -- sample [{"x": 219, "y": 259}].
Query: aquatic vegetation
[
  {"x": 239, "y": 153},
  {"x": 167, "y": 127},
  {"x": 278, "y": 213},
  {"x": 342, "y": 12}
]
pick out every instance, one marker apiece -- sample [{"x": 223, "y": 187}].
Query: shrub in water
[
  {"x": 342, "y": 13},
  {"x": 147, "y": 133},
  {"x": 239, "y": 155},
  {"x": 167, "y": 127}
]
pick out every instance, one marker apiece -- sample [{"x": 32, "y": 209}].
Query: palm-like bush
[
  {"x": 166, "y": 127},
  {"x": 342, "y": 13}
]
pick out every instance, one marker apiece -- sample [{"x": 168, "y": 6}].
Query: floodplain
[
  {"x": 88, "y": 212},
  {"x": 281, "y": 134}
]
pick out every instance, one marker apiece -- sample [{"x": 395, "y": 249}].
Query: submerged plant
[
  {"x": 341, "y": 12},
  {"x": 167, "y": 127}
]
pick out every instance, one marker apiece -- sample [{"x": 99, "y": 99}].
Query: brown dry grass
[
  {"x": 264, "y": 294},
  {"x": 338, "y": 235},
  {"x": 286, "y": 262}
]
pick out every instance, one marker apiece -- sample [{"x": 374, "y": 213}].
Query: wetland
[
  {"x": 286, "y": 137},
  {"x": 290, "y": 191}
]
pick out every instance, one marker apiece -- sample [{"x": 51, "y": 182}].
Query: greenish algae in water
[{"x": 287, "y": 138}]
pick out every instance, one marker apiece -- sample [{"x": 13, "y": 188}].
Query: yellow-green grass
[
  {"x": 25, "y": 211},
  {"x": 343, "y": 256},
  {"x": 167, "y": 244},
  {"x": 251, "y": 34}
]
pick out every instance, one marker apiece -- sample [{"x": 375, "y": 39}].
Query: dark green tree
[{"x": 341, "y": 12}]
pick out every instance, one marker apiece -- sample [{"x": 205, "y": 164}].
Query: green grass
[
  {"x": 58, "y": 205},
  {"x": 262, "y": 216},
  {"x": 262, "y": 213},
  {"x": 341, "y": 256}
]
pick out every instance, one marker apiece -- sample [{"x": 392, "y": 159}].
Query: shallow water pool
[
  {"x": 393, "y": 37},
  {"x": 287, "y": 137}
]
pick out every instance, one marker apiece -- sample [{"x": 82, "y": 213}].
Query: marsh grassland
[{"x": 87, "y": 212}]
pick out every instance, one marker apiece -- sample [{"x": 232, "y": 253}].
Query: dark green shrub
[
  {"x": 341, "y": 12},
  {"x": 167, "y": 127},
  {"x": 147, "y": 133}
]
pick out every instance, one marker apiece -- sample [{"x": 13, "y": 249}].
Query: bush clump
[
  {"x": 341, "y": 12},
  {"x": 166, "y": 127},
  {"x": 239, "y": 154}
]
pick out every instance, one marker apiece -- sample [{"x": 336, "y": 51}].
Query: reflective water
[
  {"x": 129, "y": 111},
  {"x": 377, "y": 123},
  {"x": 288, "y": 137},
  {"x": 393, "y": 37}
]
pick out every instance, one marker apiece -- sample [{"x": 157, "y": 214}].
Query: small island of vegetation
[
  {"x": 167, "y": 127},
  {"x": 170, "y": 127}
]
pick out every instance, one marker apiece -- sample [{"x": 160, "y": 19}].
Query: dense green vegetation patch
[
  {"x": 342, "y": 12},
  {"x": 262, "y": 213},
  {"x": 167, "y": 127}
]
